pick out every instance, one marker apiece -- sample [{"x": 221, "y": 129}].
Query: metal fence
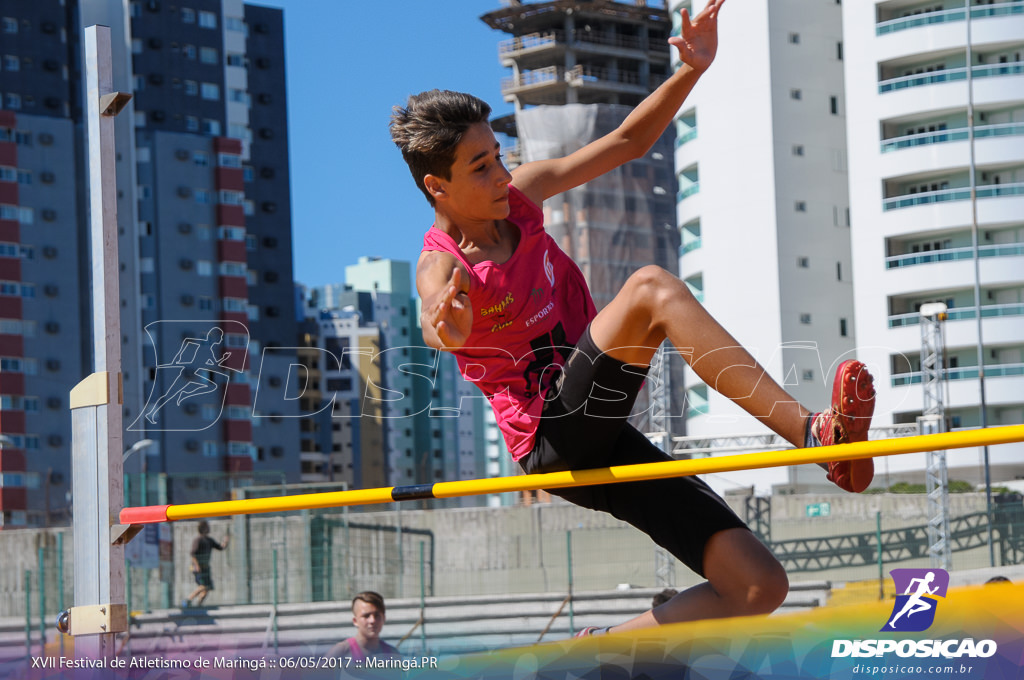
[{"x": 328, "y": 556}]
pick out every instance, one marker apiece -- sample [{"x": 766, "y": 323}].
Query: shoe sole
[
  {"x": 853, "y": 401},
  {"x": 853, "y": 404}
]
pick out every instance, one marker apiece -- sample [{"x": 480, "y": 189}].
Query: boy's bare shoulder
[{"x": 434, "y": 269}]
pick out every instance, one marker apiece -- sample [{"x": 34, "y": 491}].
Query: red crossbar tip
[{"x": 148, "y": 514}]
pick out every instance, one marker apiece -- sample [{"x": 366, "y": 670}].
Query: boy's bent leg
[
  {"x": 744, "y": 579},
  {"x": 654, "y": 305}
]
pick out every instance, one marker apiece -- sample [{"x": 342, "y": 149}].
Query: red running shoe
[
  {"x": 586, "y": 632},
  {"x": 853, "y": 403}
]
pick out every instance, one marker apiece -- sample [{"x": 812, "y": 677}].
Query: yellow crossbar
[{"x": 560, "y": 480}]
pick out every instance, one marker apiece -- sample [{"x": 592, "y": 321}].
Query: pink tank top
[{"x": 528, "y": 313}]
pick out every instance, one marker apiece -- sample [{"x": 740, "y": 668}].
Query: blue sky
[{"x": 348, "y": 63}]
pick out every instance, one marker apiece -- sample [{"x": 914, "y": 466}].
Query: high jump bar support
[{"x": 561, "y": 480}]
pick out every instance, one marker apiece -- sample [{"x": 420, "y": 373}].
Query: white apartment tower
[
  {"x": 763, "y": 209},
  {"x": 915, "y": 71}
]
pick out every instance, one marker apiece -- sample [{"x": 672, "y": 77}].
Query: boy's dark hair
[
  {"x": 430, "y": 126},
  {"x": 204, "y": 527},
  {"x": 369, "y": 597},
  {"x": 663, "y": 597}
]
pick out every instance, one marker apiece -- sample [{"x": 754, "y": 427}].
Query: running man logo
[
  {"x": 914, "y": 610},
  {"x": 205, "y": 355}
]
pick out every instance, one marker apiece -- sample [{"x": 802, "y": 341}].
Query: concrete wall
[{"x": 476, "y": 551}]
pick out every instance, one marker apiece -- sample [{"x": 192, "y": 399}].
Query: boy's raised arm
[
  {"x": 443, "y": 286},
  {"x": 697, "y": 45}
]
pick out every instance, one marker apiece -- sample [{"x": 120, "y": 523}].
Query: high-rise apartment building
[
  {"x": 399, "y": 408},
  {"x": 763, "y": 209},
  {"x": 935, "y": 106},
  {"x": 205, "y": 247}
]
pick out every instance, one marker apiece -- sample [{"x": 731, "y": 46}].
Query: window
[
  {"x": 795, "y": 93},
  {"x": 800, "y": 206},
  {"x": 204, "y": 196},
  {"x": 136, "y": 45},
  {"x": 803, "y": 262},
  {"x": 10, "y": 25},
  {"x": 188, "y": 16},
  {"x": 235, "y": 24},
  {"x": 191, "y": 88},
  {"x": 231, "y": 233},
  {"x": 13, "y": 101},
  {"x": 188, "y": 51},
  {"x": 839, "y": 50},
  {"x": 191, "y": 123},
  {"x": 237, "y": 95},
  {"x": 805, "y": 318},
  {"x": 839, "y": 271},
  {"x": 205, "y": 303},
  {"x": 807, "y": 375},
  {"x": 235, "y": 59},
  {"x": 211, "y": 127},
  {"x": 833, "y": 105},
  {"x": 204, "y": 268},
  {"x": 842, "y": 328},
  {"x": 207, "y": 20},
  {"x": 11, "y": 63},
  {"x": 794, "y": 38},
  {"x": 230, "y": 197},
  {"x": 209, "y": 55},
  {"x": 201, "y": 158},
  {"x": 232, "y": 269},
  {"x": 798, "y": 149}
]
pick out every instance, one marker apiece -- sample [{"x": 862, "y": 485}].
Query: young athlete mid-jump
[{"x": 561, "y": 377}]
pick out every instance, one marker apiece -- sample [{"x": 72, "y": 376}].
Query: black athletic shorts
[
  {"x": 204, "y": 578},
  {"x": 584, "y": 426}
]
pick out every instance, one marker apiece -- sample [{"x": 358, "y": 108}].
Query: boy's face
[
  {"x": 367, "y": 619},
  {"x": 478, "y": 188}
]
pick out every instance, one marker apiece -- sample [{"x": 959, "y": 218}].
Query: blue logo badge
[{"x": 914, "y": 610}]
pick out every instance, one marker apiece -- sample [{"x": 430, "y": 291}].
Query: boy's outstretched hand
[
  {"x": 451, "y": 316},
  {"x": 698, "y": 41}
]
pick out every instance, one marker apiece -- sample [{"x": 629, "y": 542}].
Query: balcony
[
  {"x": 957, "y": 194},
  {"x": 532, "y": 41},
  {"x": 581, "y": 39},
  {"x": 957, "y": 135},
  {"x": 953, "y": 254},
  {"x": 947, "y": 16},
  {"x": 966, "y": 373},
  {"x": 959, "y": 314},
  {"x": 580, "y": 76},
  {"x": 687, "y": 191},
  {"x": 950, "y": 75}
]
